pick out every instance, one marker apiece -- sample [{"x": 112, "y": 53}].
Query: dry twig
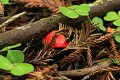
[{"x": 86, "y": 71}]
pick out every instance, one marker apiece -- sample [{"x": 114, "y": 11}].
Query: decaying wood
[
  {"x": 86, "y": 71},
  {"x": 40, "y": 28}
]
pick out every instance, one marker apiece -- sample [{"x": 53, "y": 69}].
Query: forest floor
[{"x": 87, "y": 53}]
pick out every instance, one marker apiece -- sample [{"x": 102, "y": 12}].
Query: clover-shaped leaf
[
  {"x": 73, "y": 7},
  {"x": 111, "y": 16},
  {"x": 117, "y": 29},
  {"x": 83, "y": 9},
  {"x": 15, "y": 56},
  {"x": 117, "y": 22},
  {"x": 68, "y": 12},
  {"x": 75, "y": 10},
  {"x": 5, "y": 64},
  {"x": 118, "y": 13},
  {"x": 98, "y": 21},
  {"x": 21, "y": 69},
  {"x": 117, "y": 37},
  {"x": 4, "y": 1},
  {"x": 102, "y": 28}
]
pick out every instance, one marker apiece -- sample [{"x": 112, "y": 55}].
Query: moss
[{"x": 51, "y": 21}]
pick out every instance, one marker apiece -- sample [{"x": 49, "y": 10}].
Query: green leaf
[
  {"x": 15, "y": 56},
  {"x": 5, "y": 64},
  {"x": 102, "y": 28},
  {"x": 21, "y": 69},
  {"x": 103, "y": 60},
  {"x": 117, "y": 22},
  {"x": 83, "y": 9},
  {"x": 10, "y": 47},
  {"x": 115, "y": 61},
  {"x": 117, "y": 29},
  {"x": 99, "y": 22},
  {"x": 4, "y": 1},
  {"x": 111, "y": 16},
  {"x": 73, "y": 7},
  {"x": 117, "y": 37},
  {"x": 119, "y": 13},
  {"x": 68, "y": 12}
]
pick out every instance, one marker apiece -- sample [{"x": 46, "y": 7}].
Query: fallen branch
[
  {"x": 86, "y": 71},
  {"x": 25, "y": 33},
  {"x": 40, "y": 28}
]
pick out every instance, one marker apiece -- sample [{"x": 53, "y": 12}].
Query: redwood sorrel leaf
[
  {"x": 117, "y": 37},
  {"x": 5, "y": 64},
  {"x": 21, "y": 69},
  {"x": 68, "y": 12},
  {"x": 117, "y": 29},
  {"x": 75, "y": 10},
  {"x": 119, "y": 13},
  {"x": 15, "y": 56},
  {"x": 4, "y": 1},
  {"x": 117, "y": 22},
  {"x": 83, "y": 10},
  {"x": 73, "y": 7},
  {"x": 98, "y": 21},
  {"x": 111, "y": 16}
]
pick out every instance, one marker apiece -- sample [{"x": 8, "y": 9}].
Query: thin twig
[{"x": 13, "y": 18}]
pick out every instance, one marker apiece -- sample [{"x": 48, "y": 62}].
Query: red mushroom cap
[{"x": 60, "y": 40}]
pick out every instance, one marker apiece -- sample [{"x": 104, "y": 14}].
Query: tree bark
[{"x": 41, "y": 27}]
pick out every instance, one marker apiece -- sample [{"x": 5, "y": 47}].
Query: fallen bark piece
[
  {"x": 42, "y": 27},
  {"x": 86, "y": 71}
]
